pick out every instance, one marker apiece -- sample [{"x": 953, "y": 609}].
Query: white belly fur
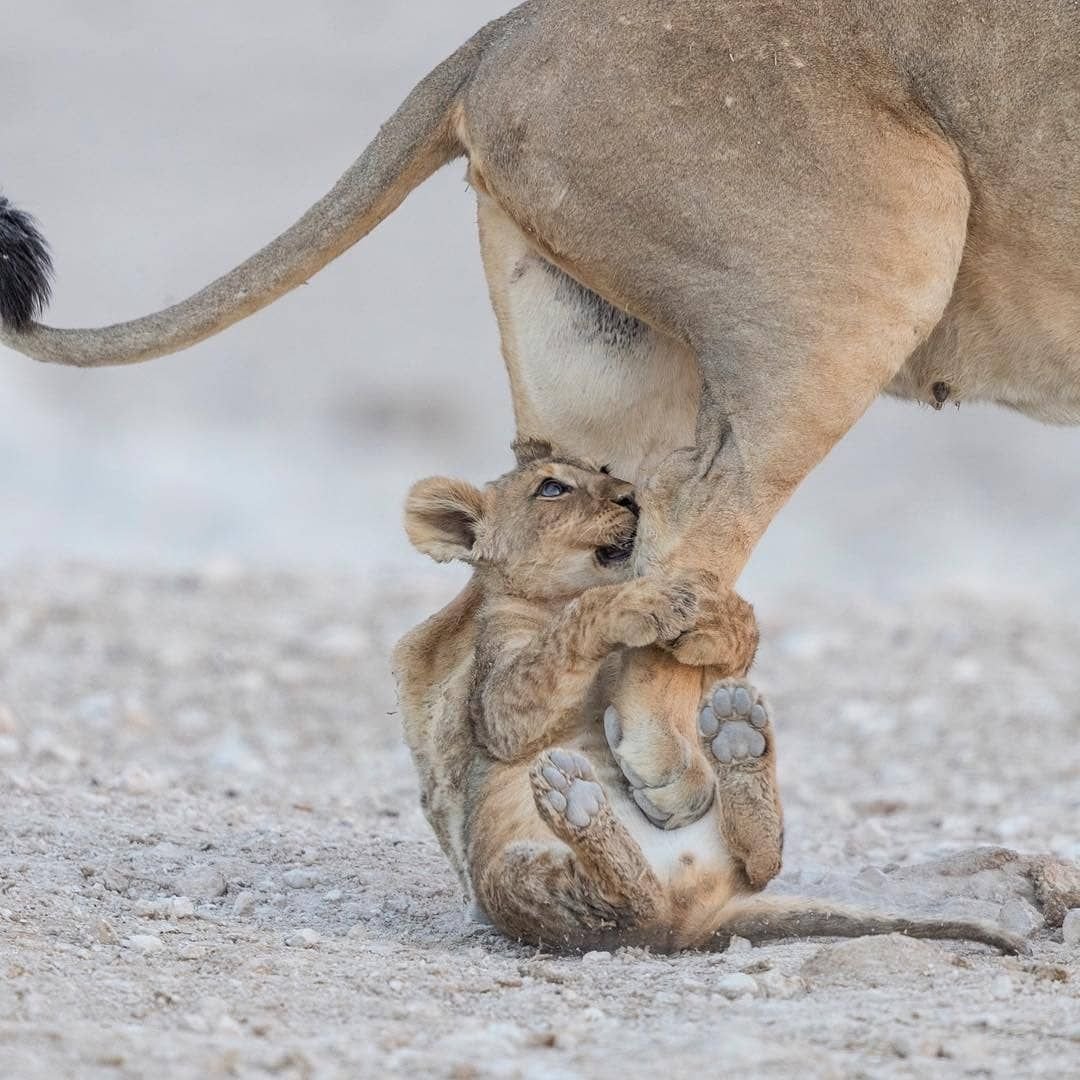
[{"x": 607, "y": 389}]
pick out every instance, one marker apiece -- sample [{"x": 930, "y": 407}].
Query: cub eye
[{"x": 552, "y": 489}]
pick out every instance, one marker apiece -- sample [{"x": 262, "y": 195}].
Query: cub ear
[
  {"x": 526, "y": 451},
  {"x": 442, "y": 517}
]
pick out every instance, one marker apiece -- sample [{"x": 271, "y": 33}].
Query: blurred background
[{"x": 159, "y": 144}]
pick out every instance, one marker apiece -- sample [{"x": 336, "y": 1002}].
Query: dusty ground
[{"x": 230, "y": 740}]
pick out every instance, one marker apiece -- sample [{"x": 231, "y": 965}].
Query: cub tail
[{"x": 760, "y": 919}]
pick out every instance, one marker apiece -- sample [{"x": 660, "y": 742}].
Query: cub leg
[
  {"x": 737, "y": 734},
  {"x": 595, "y": 890}
]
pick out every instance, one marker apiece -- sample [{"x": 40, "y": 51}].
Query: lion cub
[{"x": 514, "y": 695}]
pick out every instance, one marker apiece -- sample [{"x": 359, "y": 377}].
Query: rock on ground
[{"x": 214, "y": 862}]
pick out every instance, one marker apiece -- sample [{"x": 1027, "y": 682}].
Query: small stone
[
  {"x": 903, "y": 1047},
  {"x": 200, "y": 883},
  {"x": 738, "y": 945},
  {"x": 1057, "y": 888},
  {"x": 9, "y": 723},
  {"x": 872, "y": 877},
  {"x": 781, "y": 987},
  {"x": 1070, "y": 928},
  {"x": 736, "y": 985},
  {"x": 243, "y": 903},
  {"x": 357, "y": 932},
  {"x": 181, "y": 907},
  {"x": 875, "y": 961},
  {"x": 213, "y": 1008},
  {"x": 301, "y": 878},
  {"x": 104, "y": 932},
  {"x": 595, "y": 957},
  {"x": 303, "y": 939},
  {"x": 1001, "y": 988},
  {"x": 145, "y": 943},
  {"x": 1019, "y": 917},
  {"x": 44, "y": 746},
  {"x": 333, "y": 895},
  {"x": 135, "y": 780},
  {"x": 115, "y": 880}
]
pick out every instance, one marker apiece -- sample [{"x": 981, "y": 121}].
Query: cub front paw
[
  {"x": 650, "y": 612},
  {"x": 726, "y": 636}
]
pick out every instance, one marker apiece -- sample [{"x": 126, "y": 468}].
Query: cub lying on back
[{"x": 507, "y": 698}]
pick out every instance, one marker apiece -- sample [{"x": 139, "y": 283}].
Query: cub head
[{"x": 548, "y": 530}]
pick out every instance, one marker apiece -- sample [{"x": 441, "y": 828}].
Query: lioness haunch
[{"x": 507, "y": 695}]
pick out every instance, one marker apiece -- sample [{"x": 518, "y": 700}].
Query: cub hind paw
[
  {"x": 735, "y": 724},
  {"x": 566, "y": 791}
]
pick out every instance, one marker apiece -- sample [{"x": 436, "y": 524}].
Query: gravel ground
[{"x": 214, "y": 863}]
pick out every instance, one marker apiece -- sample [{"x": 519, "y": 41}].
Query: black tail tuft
[{"x": 25, "y": 268}]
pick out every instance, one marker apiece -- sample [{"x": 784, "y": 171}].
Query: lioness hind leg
[{"x": 736, "y": 729}]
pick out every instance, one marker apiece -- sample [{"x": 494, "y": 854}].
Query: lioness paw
[{"x": 668, "y": 780}]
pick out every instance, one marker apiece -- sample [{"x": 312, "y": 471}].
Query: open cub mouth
[{"x": 616, "y": 553}]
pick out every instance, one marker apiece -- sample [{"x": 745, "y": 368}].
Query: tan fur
[
  {"x": 526, "y": 660},
  {"x": 716, "y": 231}
]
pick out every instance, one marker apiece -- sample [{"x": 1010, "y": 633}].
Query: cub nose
[{"x": 630, "y": 503}]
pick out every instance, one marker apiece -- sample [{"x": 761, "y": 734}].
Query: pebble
[
  {"x": 243, "y": 903},
  {"x": 9, "y": 724},
  {"x": 135, "y": 780},
  {"x": 333, "y": 895},
  {"x": 1070, "y": 928},
  {"x": 44, "y": 746},
  {"x": 181, "y": 907},
  {"x": 1001, "y": 988},
  {"x": 596, "y": 957},
  {"x": 301, "y": 878},
  {"x": 1019, "y": 917},
  {"x": 173, "y": 907},
  {"x": 872, "y": 877},
  {"x": 780, "y": 987},
  {"x": 115, "y": 880},
  {"x": 737, "y": 946},
  {"x": 875, "y": 961},
  {"x": 200, "y": 882},
  {"x": 104, "y": 932},
  {"x": 736, "y": 985},
  {"x": 303, "y": 939},
  {"x": 145, "y": 943},
  {"x": 1057, "y": 888}
]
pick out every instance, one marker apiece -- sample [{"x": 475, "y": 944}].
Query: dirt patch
[{"x": 213, "y": 861}]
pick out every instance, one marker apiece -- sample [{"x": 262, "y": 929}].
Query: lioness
[
  {"x": 714, "y": 232},
  {"x": 523, "y": 770}
]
